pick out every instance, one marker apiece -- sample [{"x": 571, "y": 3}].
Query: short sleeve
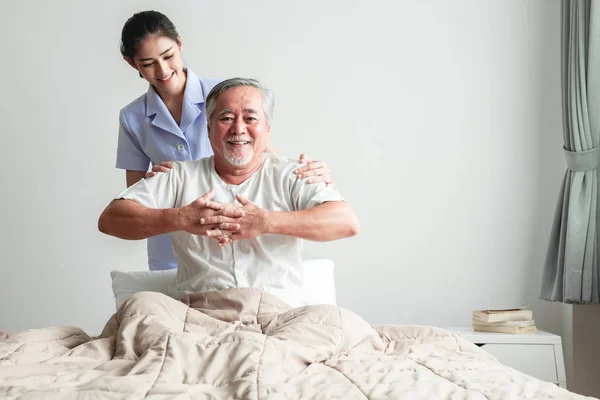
[
  {"x": 308, "y": 195},
  {"x": 208, "y": 84},
  {"x": 159, "y": 191},
  {"x": 130, "y": 155}
]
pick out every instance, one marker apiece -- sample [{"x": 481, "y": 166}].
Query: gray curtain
[{"x": 571, "y": 268}]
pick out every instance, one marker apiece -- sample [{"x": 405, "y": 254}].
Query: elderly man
[{"x": 238, "y": 218}]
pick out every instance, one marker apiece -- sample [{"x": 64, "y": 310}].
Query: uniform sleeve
[
  {"x": 209, "y": 84},
  {"x": 160, "y": 191},
  {"x": 129, "y": 152},
  {"x": 308, "y": 195}
]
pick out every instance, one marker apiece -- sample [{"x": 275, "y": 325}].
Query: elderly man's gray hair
[{"x": 268, "y": 99}]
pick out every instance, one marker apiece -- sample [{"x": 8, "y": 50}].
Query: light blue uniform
[{"x": 149, "y": 134}]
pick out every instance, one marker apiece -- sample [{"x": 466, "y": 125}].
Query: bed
[{"x": 247, "y": 344}]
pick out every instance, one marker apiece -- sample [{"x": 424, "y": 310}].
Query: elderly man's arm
[
  {"x": 332, "y": 220},
  {"x": 127, "y": 219}
]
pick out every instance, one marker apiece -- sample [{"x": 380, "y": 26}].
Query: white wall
[{"x": 440, "y": 120}]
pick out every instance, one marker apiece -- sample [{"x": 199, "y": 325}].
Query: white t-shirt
[{"x": 272, "y": 262}]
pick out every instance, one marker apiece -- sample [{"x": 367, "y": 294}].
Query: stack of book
[{"x": 509, "y": 320}]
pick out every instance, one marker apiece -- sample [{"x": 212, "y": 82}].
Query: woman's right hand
[
  {"x": 164, "y": 166},
  {"x": 228, "y": 215}
]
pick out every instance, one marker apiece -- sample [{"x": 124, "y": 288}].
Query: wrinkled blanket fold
[{"x": 247, "y": 344}]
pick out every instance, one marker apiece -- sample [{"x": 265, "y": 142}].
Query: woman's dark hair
[{"x": 142, "y": 24}]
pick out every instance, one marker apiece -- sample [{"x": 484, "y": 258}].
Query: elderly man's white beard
[{"x": 238, "y": 157}]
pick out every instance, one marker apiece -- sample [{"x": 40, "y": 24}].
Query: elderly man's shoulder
[
  {"x": 188, "y": 168},
  {"x": 191, "y": 165},
  {"x": 279, "y": 161}
]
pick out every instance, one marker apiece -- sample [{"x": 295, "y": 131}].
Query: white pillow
[
  {"x": 318, "y": 288},
  {"x": 126, "y": 284},
  {"x": 319, "y": 283}
]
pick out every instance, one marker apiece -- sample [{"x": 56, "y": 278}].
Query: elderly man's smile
[{"x": 238, "y": 143}]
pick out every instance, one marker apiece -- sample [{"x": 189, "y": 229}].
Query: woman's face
[{"x": 158, "y": 59}]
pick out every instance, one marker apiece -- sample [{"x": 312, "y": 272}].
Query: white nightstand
[{"x": 536, "y": 354}]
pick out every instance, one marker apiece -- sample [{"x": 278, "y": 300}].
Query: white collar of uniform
[{"x": 193, "y": 94}]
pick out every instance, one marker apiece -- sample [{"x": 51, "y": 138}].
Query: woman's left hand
[
  {"x": 164, "y": 166},
  {"x": 315, "y": 171}
]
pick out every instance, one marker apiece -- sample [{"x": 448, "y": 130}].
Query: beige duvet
[{"x": 246, "y": 344}]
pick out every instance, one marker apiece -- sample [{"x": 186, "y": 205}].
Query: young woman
[{"x": 168, "y": 122}]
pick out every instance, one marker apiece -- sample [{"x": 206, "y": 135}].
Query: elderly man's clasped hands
[{"x": 224, "y": 222}]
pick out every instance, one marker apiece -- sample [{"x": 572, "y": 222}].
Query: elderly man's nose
[{"x": 239, "y": 126}]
